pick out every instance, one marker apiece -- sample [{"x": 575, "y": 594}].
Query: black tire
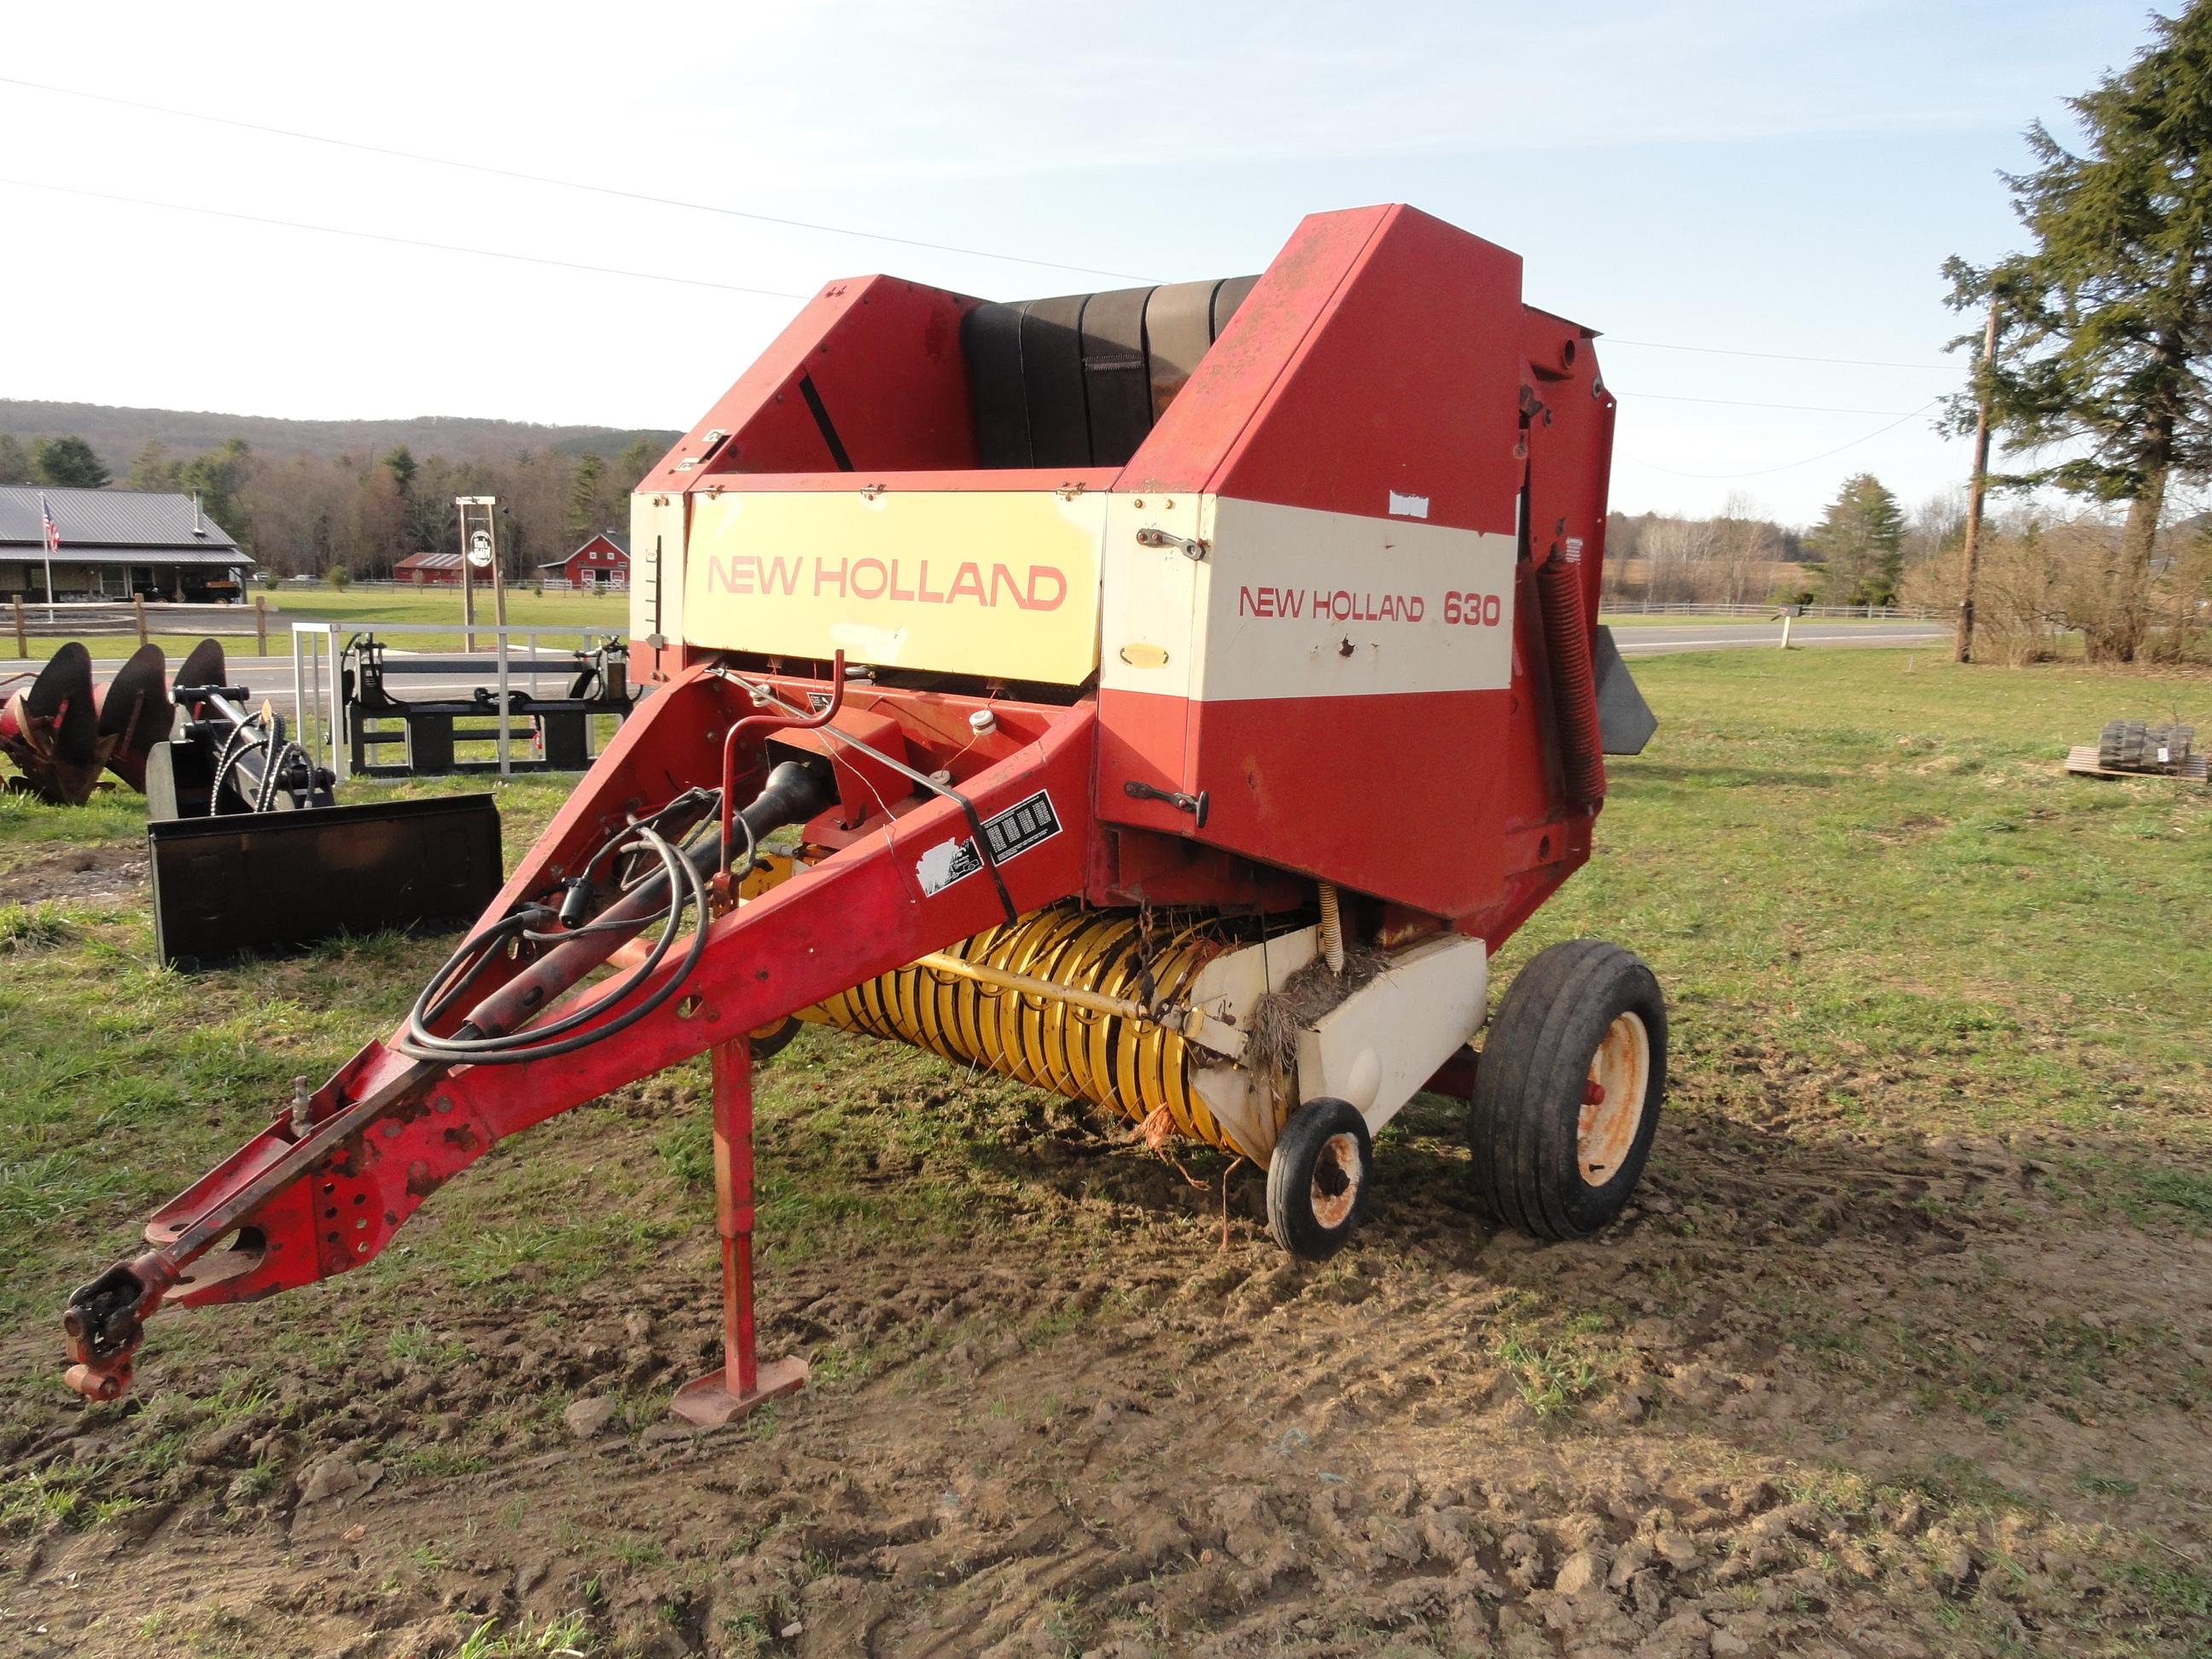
[
  {"x": 1319, "y": 1177},
  {"x": 771, "y": 1040},
  {"x": 1539, "y": 1165}
]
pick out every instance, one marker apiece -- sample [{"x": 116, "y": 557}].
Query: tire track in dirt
[{"x": 1811, "y": 1394}]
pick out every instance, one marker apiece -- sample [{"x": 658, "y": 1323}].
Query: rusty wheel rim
[
  {"x": 1612, "y": 1100},
  {"x": 1335, "y": 1187}
]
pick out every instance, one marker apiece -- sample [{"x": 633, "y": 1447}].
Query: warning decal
[{"x": 1010, "y": 833}]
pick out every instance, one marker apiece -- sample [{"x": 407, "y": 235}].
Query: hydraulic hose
[
  {"x": 495, "y": 1033},
  {"x": 541, "y": 1042}
]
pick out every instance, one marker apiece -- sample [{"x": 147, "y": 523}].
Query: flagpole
[{"x": 46, "y": 536}]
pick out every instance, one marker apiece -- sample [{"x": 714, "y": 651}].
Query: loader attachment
[{"x": 265, "y": 881}]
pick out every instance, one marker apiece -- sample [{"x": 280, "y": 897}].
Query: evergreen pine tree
[
  {"x": 585, "y": 507},
  {"x": 2108, "y": 317},
  {"x": 67, "y": 463},
  {"x": 1861, "y": 542},
  {"x": 153, "y": 470}
]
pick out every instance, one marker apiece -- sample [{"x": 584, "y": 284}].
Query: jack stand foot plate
[{"x": 708, "y": 1403}]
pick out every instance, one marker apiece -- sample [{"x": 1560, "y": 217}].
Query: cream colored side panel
[
  {"x": 1381, "y": 1044},
  {"x": 1148, "y": 610},
  {"x": 1296, "y": 603},
  {"x": 974, "y": 582},
  {"x": 1224, "y": 996},
  {"x": 656, "y": 568}
]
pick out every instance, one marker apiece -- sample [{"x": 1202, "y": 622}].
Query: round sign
[{"x": 480, "y": 550}]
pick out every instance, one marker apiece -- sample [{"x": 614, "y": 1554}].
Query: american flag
[{"x": 53, "y": 531}]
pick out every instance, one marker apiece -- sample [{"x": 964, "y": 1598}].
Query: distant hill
[{"x": 118, "y": 434}]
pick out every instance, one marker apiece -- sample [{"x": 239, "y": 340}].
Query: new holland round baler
[{"x": 1171, "y": 697}]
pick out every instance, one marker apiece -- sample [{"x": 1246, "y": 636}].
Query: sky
[{"x": 1693, "y": 181}]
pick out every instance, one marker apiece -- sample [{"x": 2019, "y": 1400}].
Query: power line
[
  {"x": 616, "y": 192},
  {"x": 1739, "y": 403},
  {"x": 548, "y": 178},
  {"x": 788, "y": 294},
  {"x": 1778, "y": 357},
  {"x": 405, "y": 241},
  {"x": 1760, "y": 472},
  {"x": 696, "y": 281}
]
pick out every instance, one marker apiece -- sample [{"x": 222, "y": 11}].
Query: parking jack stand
[{"x": 743, "y": 1383}]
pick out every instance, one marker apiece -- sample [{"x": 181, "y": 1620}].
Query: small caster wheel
[
  {"x": 771, "y": 1040},
  {"x": 1566, "y": 1098},
  {"x": 1318, "y": 1178}
]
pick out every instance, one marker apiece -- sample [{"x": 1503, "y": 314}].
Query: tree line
[
  {"x": 1859, "y": 552},
  {"x": 356, "y": 516},
  {"x": 323, "y": 516}
]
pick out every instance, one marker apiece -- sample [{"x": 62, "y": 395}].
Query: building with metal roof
[
  {"x": 115, "y": 543},
  {"x": 431, "y": 570}
]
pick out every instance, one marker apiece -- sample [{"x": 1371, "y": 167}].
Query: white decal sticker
[
  {"x": 1011, "y": 834},
  {"x": 1574, "y": 549},
  {"x": 1409, "y": 507}
]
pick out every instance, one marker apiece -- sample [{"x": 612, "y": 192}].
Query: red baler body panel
[{"x": 1384, "y": 360}]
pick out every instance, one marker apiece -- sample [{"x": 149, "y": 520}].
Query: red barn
[
  {"x": 600, "y": 563},
  {"x": 431, "y": 570}
]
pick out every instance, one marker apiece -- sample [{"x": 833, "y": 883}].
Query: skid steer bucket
[{"x": 267, "y": 882}]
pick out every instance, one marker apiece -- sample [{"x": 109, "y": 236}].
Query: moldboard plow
[{"x": 1169, "y": 697}]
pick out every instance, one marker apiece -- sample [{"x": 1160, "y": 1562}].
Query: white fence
[{"x": 1868, "y": 613}]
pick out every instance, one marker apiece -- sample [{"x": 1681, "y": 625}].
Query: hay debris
[{"x": 1271, "y": 1047}]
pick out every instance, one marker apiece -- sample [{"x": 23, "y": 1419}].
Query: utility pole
[{"x": 1971, "y": 553}]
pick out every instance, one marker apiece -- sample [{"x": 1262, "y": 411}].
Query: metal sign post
[
  {"x": 468, "y": 583},
  {"x": 479, "y": 533}
]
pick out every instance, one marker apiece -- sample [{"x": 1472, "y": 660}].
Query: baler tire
[
  {"x": 1548, "y": 1159},
  {"x": 771, "y": 1039},
  {"x": 1314, "y": 1202}
]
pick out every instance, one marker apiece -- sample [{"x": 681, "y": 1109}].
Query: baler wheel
[
  {"x": 1566, "y": 1098},
  {"x": 1318, "y": 1178},
  {"x": 770, "y": 1039}
]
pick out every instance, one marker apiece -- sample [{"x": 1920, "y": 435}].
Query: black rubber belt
[{"x": 822, "y": 419}]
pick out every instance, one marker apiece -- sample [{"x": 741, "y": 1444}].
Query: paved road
[
  {"x": 271, "y": 676},
  {"x": 1659, "y": 639}
]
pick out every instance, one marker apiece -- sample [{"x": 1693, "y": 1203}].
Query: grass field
[{"x": 1907, "y": 1347}]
